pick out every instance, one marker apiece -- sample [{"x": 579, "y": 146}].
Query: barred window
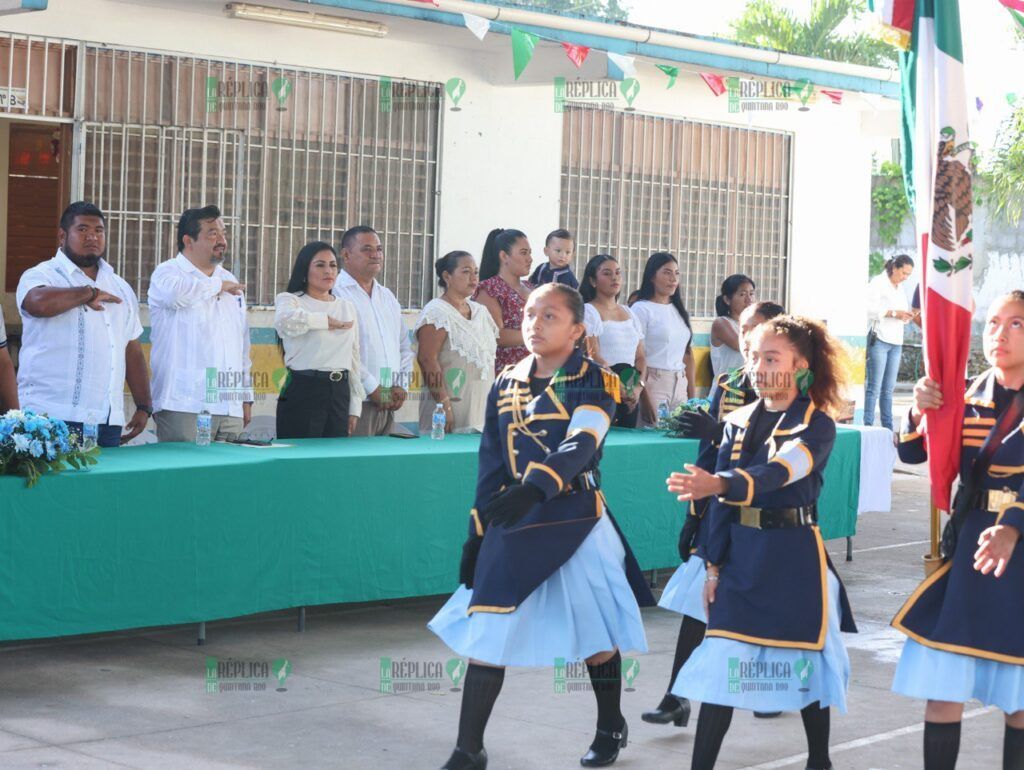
[
  {"x": 717, "y": 197},
  {"x": 288, "y": 155}
]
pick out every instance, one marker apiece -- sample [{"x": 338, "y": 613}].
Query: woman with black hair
[
  {"x": 505, "y": 263},
  {"x": 615, "y": 336},
  {"x": 323, "y": 395},
  {"x": 665, "y": 321},
  {"x": 736, "y": 295},
  {"x": 888, "y": 312},
  {"x": 457, "y": 342},
  {"x": 546, "y": 573}
]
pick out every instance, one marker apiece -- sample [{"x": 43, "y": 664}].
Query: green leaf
[
  {"x": 942, "y": 265},
  {"x": 961, "y": 263}
]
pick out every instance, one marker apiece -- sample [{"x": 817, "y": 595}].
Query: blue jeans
[{"x": 883, "y": 364}]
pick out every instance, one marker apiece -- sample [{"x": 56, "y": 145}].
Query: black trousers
[
  {"x": 313, "y": 407},
  {"x": 623, "y": 417}
]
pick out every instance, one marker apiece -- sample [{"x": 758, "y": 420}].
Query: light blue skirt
[
  {"x": 584, "y": 608},
  {"x": 930, "y": 674},
  {"x": 748, "y": 676},
  {"x": 684, "y": 593}
]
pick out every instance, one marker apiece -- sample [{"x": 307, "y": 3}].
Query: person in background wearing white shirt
[
  {"x": 888, "y": 311},
  {"x": 384, "y": 345},
  {"x": 659, "y": 308},
  {"x": 80, "y": 335},
  {"x": 736, "y": 295},
  {"x": 200, "y": 355},
  {"x": 324, "y": 395},
  {"x": 614, "y": 336},
  {"x": 8, "y": 379}
]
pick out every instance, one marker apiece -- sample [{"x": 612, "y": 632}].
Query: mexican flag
[
  {"x": 938, "y": 169},
  {"x": 897, "y": 17},
  {"x": 1016, "y": 9}
]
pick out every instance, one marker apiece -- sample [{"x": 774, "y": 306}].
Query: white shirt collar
[
  {"x": 186, "y": 265},
  {"x": 65, "y": 261},
  {"x": 345, "y": 280}
]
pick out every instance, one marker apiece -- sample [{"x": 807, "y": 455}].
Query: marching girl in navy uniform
[
  {"x": 966, "y": 620},
  {"x": 545, "y": 572},
  {"x": 684, "y": 592},
  {"x": 776, "y": 604}
]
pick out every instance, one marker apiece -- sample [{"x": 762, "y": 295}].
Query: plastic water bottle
[
  {"x": 204, "y": 428},
  {"x": 437, "y": 425},
  {"x": 90, "y": 434},
  {"x": 663, "y": 410}
]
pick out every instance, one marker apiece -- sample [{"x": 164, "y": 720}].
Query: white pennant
[
  {"x": 478, "y": 25},
  {"x": 625, "y": 63}
]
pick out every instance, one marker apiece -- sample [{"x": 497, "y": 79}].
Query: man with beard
[
  {"x": 200, "y": 354},
  {"x": 80, "y": 335}
]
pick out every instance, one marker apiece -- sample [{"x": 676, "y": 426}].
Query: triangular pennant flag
[
  {"x": 577, "y": 53},
  {"x": 835, "y": 96},
  {"x": 715, "y": 82},
  {"x": 523, "y": 44},
  {"x": 672, "y": 72},
  {"x": 978, "y": 103},
  {"x": 478, "y": 25},
  {"x": 624, "y": 66},
  {"x": 1014, "y": 5}
]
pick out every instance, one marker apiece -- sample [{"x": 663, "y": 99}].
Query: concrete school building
[{"x": 300, "y": 119}]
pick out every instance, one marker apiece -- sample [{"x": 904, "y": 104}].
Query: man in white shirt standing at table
[
  {"x": 200, "y": 356},
  {"x": 385, "y": 349},
  {"x": 8, "y": 379},
  {"x": 80, "y": 335}
]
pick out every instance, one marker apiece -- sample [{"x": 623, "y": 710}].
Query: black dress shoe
[
  {"x": 767, "y": 714},
  {"x": 605, "y": 748},
  {"x": 463, "y": 760},
  {"x": 671, "y": 709},
  {"x": 826, "y": 767}
]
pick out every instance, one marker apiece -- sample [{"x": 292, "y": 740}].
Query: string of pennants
[{"x": 621, "y": 66}]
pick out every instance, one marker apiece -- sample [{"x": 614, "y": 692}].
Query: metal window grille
[
  {"x": 717, "y": 197},
  {"x": 36, "y": 76},
  {"x": 289, "y": 155}
]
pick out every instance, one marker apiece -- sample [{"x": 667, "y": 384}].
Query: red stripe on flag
[
  {"x": 903, "y": 14},
  {"x": 1017, "y": 5},
  {"x": 947, "y": 337}
]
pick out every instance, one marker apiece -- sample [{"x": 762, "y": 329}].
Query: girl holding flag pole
[{"x": 965, "y": 622}]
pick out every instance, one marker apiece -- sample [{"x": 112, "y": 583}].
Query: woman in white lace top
[{"x": 457, "y": 343}]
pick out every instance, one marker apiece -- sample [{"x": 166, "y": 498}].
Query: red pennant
[
  {"x": 715, "y": 82},
  {"x": 577, "y": 53},
  {"x": 835, "y": 96}
]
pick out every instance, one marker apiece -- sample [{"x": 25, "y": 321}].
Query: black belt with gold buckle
[
  {"x": 584, "y": 482},
  {"x": 778, "y": 518},
  {"x": 993, "y": 500}
]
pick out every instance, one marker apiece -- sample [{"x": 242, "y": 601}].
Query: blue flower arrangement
[{"x": 32, "y": 444}]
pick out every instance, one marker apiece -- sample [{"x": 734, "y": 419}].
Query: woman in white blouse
[
  {"x": 665, "y": 321},
  {"x": 888, "y": 312},
  {"x": 323, "y": 396},
  {"x": 458, "y": 339},
  {"x": 614, "y": 336}
]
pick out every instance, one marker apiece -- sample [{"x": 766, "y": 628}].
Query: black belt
[
  {"x": 338, "y": 375},
  {"x": 992, "y": 500},
  {"x": 778, "y": 518}
]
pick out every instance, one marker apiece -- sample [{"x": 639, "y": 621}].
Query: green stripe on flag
[{"x": 947, "y": 28}]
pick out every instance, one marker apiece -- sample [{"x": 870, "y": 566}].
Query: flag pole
[{"x": 932, "y": 559}]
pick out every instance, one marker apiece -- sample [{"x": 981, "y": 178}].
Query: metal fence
[
  {"x": 289, "y": 154},
  {"x": 715, "y": 196}
]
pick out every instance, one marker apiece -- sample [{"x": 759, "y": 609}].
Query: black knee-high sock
[
  {"x": 1013, "y": 749},
  {"x": 606, "y": 681},
  {"x": 691, "y": 634},
  {"x": 479, "y": 691},
  {"x": 941, "y": 745},
  {"x": 817, "y": 722},
  {"x": 712, "y": 725}
]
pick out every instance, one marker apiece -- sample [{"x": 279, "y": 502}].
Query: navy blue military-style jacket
[
  {"x": 552, "y": 441},
  {"x": 957, "y": 609},
  {"x": 772, "y": 588},
  {"x": 734, "y": 391}
]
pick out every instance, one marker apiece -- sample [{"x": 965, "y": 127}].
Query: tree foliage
[
  {"x": 613, "y": 10},
  {"x": 1002, "y": 181},
  {"x": 766, "y": 24}
]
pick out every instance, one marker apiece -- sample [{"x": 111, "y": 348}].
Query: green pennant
[
  {"x": 672, "y": 72},
  {"x": 523, "y": 44}
]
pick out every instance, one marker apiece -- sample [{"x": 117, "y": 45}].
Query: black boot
[
  {"x": 826, "y": 767},
  {"x": 461, "y": 760},
  {"x": 605, "y": 748},
  {"x": 671, "y": 709},
  {"x": 767, "y": 714}
]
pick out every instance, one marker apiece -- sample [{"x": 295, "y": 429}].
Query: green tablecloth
[{"x": 175, "y": 533}]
